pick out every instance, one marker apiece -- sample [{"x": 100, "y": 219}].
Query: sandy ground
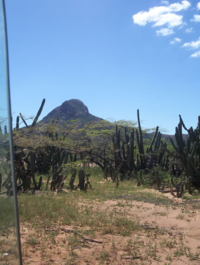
[{"x": 167, "y": 235}]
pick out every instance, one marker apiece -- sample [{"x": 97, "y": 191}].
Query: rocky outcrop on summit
[{"x": 73, "y": 109}]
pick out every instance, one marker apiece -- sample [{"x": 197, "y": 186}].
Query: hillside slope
[{"x": 73, "y": 109}]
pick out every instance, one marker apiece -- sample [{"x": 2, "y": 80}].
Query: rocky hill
[
  {"x": 73, "y": 109},
  {"x": 76, "y": 110}
]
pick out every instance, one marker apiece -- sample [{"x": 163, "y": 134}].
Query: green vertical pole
[{"x": 10, "y": 133}]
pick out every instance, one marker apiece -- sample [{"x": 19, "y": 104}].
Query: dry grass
[{"x": 128, "y": 225}]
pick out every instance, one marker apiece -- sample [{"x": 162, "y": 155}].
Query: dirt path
[{"x": 165, "y": 235}]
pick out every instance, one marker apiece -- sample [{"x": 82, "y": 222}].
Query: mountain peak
[{"x": 73, "y": 109}]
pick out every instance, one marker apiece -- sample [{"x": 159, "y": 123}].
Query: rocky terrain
[{"x": 73, "y": 109}]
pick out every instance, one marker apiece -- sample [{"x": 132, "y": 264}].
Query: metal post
[{"x": 11, "y": 135}]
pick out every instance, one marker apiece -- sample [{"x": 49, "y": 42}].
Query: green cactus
[
  {"x": 39, "y": 183},
  {"x": 0, "y": 181},
  {"x": 38, "y": 113},
  {"x": 187, "y": 153},
  {"x": 72, "y": 179},
  {"x": 81, "y": 176},
  {"x": 17, "y": 123}
]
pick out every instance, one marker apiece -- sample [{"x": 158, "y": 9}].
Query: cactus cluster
[
  {"x": 127, "y": 162},
  {"x": 185, "y": 165},
  {"x": 127, "y": 158},
  {"x": 47, "y": 158}
]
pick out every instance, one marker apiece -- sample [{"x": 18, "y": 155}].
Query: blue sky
[
  {"x": 116, "y": 56},
  {"x": 3, "y": 104}
]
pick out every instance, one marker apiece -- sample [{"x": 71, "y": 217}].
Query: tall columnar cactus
[
  {"x": 154, "y": 138},
  {"x": 124, "y": 156},
  {"x": 17, "y": 123},
  {"x": 0, "y": 181},
  {"x": 23, "y": 120},
  {"x": 72, "y": 179},
  {"x": 140, "y": 143},
  {"x": 81, "y": 176},
  {"x": 130, "y": 152},
  {"x": 58, "y": 160},
  {"x": 123, "y": 148},
  {"x": 32, "y": 167},
  {"x": 36, "y": 117},
  {"x": 187, "y": 153},
  {"x": 154, "y": 154},
  {"x": 38, "y": 113}
]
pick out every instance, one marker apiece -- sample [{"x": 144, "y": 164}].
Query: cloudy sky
[
  {"x": 172, "y": 19},
  {"x": 116, "y": 56}
]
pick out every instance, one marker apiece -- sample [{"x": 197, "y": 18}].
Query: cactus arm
[
  {"x": 17, "y": 123},
  {"x": 140, "y": 133},
  {"x": 155, "y": 135},
  {"x": 23, "y": 120},
  {"x": 169, "y": 152},
  {"x": 182, "y": 123},
  {"x": 39, "y": 112}
]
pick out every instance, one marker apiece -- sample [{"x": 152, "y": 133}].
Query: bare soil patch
[{"x": 163, "y": 235}]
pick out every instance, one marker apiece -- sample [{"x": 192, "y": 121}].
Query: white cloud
[
  {"x": 196, "y": 54},
  {"x": 166, "y": 17},
  {"x": 165, "y": 2},
  {"x": 164, "y": 32},
  {"x": 176, "y": 7},
  {"x": 189, "y": 30},
  {"x": 175, "y": 40},
  {"x": 192, "y": 44},
  {"x": 196, "y": 18},
  {"x": 172, "y": 20},
  {"x": 161, "y": 15}
]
